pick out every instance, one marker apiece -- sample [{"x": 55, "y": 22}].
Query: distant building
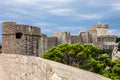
[
  {"x": 28, "y": 40},
  {"x": 97, "y": 35}
]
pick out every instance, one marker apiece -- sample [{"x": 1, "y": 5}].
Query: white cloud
[
  {"x": 89, "y": 16},
  {"x": 29, "y": 2},
  {"x": 21, "y": 11},
  {"x": 36, "y": 6},
  {"x": 78, "y": 11},
  {"x": 114, "y": 32},
  {"x": 93, "y": 2},
  {"x": 48, "y": 6},
  {"x": 24, "y": 1},
  {"x": 116, "y": 6},
  {"x": 46, "y": 30},
  {"x": 98, "y": 2},
  {"x": 62, "y": 1},
  {"x": 44, "y": 24},
  {"x": 60, "y": 11},
  {"x": 70, "y": 28}
]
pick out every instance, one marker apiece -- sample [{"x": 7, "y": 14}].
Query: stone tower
[
  {"x": 102, "y": 29},
  {"x": 63, "y": 37},
  {"x": 20, "y": 39},
  {"x": 84, "y": 36}
]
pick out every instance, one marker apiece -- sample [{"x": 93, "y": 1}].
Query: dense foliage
[
  {"x": 87, "y": 57},
  {"x": 118, "y": 41}
]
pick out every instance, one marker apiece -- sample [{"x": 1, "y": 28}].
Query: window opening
[{"x": 19, "y": 35}]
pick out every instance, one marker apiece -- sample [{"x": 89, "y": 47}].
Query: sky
[{"x": 62, "y": 15}]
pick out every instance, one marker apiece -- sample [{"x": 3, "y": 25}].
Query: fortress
[{"x": 28, "y": 40}]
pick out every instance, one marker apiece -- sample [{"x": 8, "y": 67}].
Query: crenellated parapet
[
  {"x": 13, "y": 28},
  {"x": 8, "y": 27},
  {"x": 28, "y": 40},
  {"x": 101, "y": 25},
  {"x": 20, "y": 38}
]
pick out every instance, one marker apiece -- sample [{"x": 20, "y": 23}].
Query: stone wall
[
  {"x": 106, "y": 41},
  {"x": 43, "y": 44},
  {"x": 8, "y": 40},
  {"x": 19, "y": 38},
  {"x": 102, "y": 29},
  {"x": 92, "y": 36},
  {"x": 19, "y": 67},
  {"x": 63, "y": 37},
  {"x": 52, "y": 41},
  {"x": 28, "y": 40},
  {"x": 84, "y": 36},
  {"x": 0, "y": 48},
  {"x": 75, "y": 39},
  {"x": 106, "y": 38}
]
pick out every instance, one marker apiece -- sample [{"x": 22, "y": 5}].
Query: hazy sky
[{"x": 62, "y": 15}]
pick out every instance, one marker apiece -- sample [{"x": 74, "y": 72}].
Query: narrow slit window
[{"x": 19, "y": 35}]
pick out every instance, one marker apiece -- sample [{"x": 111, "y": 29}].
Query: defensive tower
[{"x": 20, "y": 39}]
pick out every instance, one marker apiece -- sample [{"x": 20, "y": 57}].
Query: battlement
[
  {"x": 13, "y": 28},
  {"x": 101, "y": 26},
  {"x": 63, "y": 37},
  {"x": 35, "y": 30},
  {"x": 9, "y": 23},
  {"x": 106, "y": 38},
  {"x": 102, "y": 29},
  {"x": 8, "y": 27},
  {"x": 20, "y": 38},
  {"x": 28, "y": 40}
]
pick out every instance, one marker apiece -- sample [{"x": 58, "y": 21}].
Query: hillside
[{"x": 19, "y": 67}]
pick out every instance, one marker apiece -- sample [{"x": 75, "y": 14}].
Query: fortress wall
[
  {"x": 106, "y": 41},
  {"x": 102, "y": 29},
  {"x": 7, "y": 43},
  {"x": 35, "y": 30},
  {"x": 20, "y": 38},
  {"x": 22, "y": 28},
  {"x": 52, "y": 41},
  {"x": 84, "y": 36},
  {"x": 92, "y": 36},
  {"x": 36, "y": 45},
  {"x": 43, "y": 44},
  {"x": 8, "y": 31},
  {"x": 106, "y": 38},
  {"x": 63, "y": 37},
  {"x": 75, "y": 39},
  {"x": 8, "y": 27},
  {"x": 99, "y": 45},
  {"x": 28, "y": 40}
]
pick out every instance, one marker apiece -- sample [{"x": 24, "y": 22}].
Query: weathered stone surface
[
  {"x": 28, "y": 40},
  {"x": 20, "y": 38},
  {"x": 19, "y": 67}
]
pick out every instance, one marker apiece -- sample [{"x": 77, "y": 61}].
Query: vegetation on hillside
[
  {"x": 87, "y": 57},
  {"x": 118, "y": 41}
]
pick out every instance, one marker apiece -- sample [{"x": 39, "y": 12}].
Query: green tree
[
  {"x": 86, "y": 56},
  {"x": 54, "y": 54},
  {"x": 119, "y": 46},
  {"x": 116, "y": 71},
  {"x": 117, "y": 39}
]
